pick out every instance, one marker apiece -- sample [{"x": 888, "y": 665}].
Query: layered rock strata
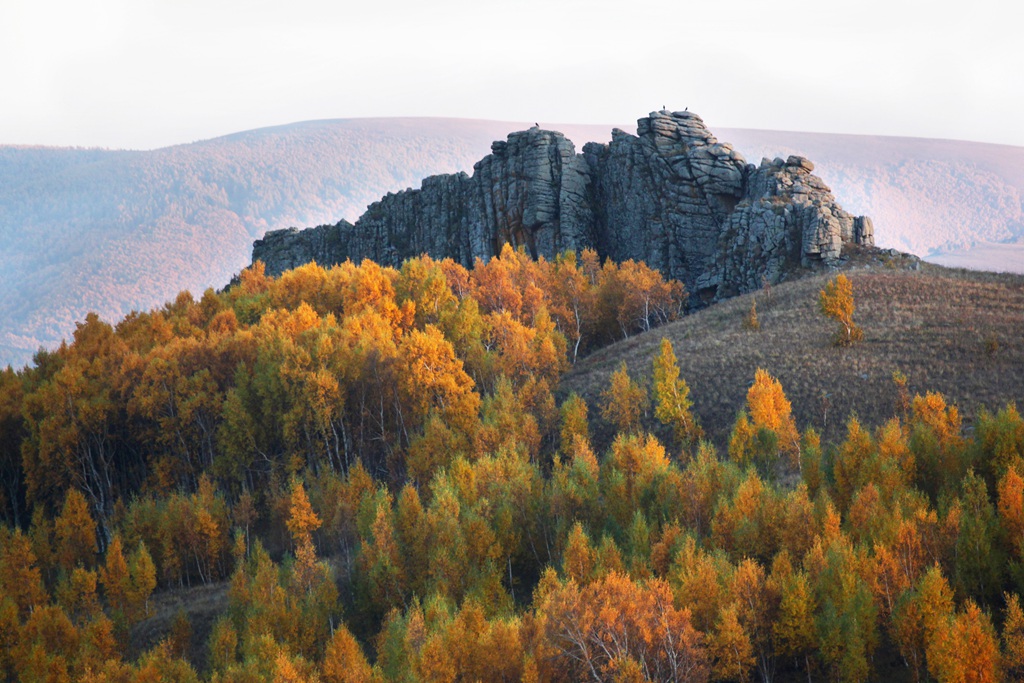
[{"x": 671, "y": 195}]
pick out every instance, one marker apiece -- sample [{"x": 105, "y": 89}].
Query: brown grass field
[
  {"x": 957, "y": 332},
  {"x": 201, "y": 605}
]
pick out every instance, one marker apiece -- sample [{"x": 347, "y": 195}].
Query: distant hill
[
  {"x": 109, "y": 231},
  {"x": 948, "y": 201},
  {"x": 952, "y": 331}
]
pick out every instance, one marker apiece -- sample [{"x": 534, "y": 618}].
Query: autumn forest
[{"x": 380, "y": 468}]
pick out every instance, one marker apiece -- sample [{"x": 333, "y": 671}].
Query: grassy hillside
[{"x": 952, "y": 331}]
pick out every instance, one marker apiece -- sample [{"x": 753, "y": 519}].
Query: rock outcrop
[{"x": 671, "y": 195}]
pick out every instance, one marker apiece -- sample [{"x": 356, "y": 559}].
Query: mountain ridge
[
  {"x": 672, "y": 196},
  {"x": 113, "y": 230}
]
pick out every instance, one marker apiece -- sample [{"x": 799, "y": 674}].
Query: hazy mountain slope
[
  {"x": 942, "y": 199},
  {"x": 110, "y": 231}
]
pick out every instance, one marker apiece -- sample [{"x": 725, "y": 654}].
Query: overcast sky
[{"x": 148, "y": 73}]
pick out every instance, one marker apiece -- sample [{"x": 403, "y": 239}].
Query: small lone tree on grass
[
  {"x": 751, "y": 322},
  {"x": 836, "y": 302}
]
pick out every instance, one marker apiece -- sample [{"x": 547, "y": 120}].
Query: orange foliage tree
[
  {"x": 344, "y": 661},
  {"x": 836, "y": 302},
  {"x": 596, "y": 631},
  {"x": 767, "y": 429}
]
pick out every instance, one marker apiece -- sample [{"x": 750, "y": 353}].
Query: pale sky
[{"x": 148, "y": 73}]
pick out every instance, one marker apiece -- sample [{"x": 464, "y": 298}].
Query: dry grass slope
[
  {"x": 957, "y": 332},
  {"x": 201, "y": 605}
]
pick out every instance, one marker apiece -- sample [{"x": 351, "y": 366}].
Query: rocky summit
[{"x": 672, "y": 195}]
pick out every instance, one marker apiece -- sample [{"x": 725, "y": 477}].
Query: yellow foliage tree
[
  {"x": 77, "y": 596},
  {"x": 344, "y": 661},
  {"x": 114, "y": 577},
  {"x": 767, "y": 429},
  {"x": 1011, "y": 509},
  {"x": 579, "y": 558},
  {"x": 672, "y": 396},
  {"x": 302, "y": 521},
  {"x": 574, "y": 422},
  {"x": 769, "y": 406},
  {"x": 836, "y": 302},
  {"x": 934, "y": 605},
  {"x": 977, "y": 648},
  {"x": 731, "y": 650},
  {"x": 142, "y": 580},
  {"x": 698, "y": 579},
  {"x": 572, "y": 299},
  {"x": 631, "y": 470},
  {"x": 1013, "y": 639},
  {"x": 751, "y": 322},
  {"x": 625, "y": 401},
  {"x": 48, "y": 642},
  {"x": 76, "y": 532},
  {"x": 20, "y": 578},
  {"x": 793, "y": 627},
  {"x": 223, "y": 645},
  {"x": 589, "y": 632},
  {"x": 850, "y": 467}
]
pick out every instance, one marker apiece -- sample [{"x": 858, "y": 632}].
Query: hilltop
[
  {"x": 956, "y": 332},
  {"x": 115, "y": 230},
  {"x": 672, "y": 196}
]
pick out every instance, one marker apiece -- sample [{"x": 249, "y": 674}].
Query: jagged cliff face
[
  {"x": 672, "y": 196},
  {"x": 665, "y": 194}
]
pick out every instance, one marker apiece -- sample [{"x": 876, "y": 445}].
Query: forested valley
[{"x": 381, "y": 468}]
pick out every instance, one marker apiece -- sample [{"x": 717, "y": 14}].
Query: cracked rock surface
[{"x": 671, "y": 195}]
